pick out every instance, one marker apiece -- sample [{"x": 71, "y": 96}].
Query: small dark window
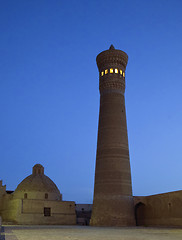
[
  {"x": 39, "y": 171},
  {"x": 46, "y": 195},
  {"x": 47, "y": 212},
  {"x": 25, "y": 195}
]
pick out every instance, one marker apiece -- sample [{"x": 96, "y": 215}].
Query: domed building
[
  {"x": 37, "y": 186},
  {"x": 36, "y": 200}
]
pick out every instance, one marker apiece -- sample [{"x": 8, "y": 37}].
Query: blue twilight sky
[{"x": 49, "y": 97}]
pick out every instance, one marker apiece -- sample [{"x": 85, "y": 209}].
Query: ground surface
[{"x": 87, "y": 233}]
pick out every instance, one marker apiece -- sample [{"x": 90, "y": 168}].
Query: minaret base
[{"x": 113, "y": 212}]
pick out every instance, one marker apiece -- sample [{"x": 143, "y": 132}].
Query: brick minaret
[{"x": 113, "y": 201}]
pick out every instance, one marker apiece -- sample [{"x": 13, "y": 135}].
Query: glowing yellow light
[
  {"x": 106, "y": 71},
  {"x": 102, "y": 73},
  {"x": 116, "y": 70},
  {"x": 121, "y": 72},
  {"x": 111, "y": 70}
]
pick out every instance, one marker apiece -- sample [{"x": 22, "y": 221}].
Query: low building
[
  {"x": 36, "y": 200},
  {"x": 83, "y": 214}
]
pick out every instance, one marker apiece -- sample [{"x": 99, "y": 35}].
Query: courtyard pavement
[{"x": 88, "y": 233}]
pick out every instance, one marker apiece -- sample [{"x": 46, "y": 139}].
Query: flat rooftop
[{"x": 85, "y": 232}]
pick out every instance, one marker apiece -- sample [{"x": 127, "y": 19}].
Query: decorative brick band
[{"x": 120, "y": 85}]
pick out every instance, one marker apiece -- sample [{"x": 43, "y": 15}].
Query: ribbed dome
[{"x": 38, "y": 182}]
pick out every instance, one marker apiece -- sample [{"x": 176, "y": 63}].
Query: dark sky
[{"x": 49, "y": 90}]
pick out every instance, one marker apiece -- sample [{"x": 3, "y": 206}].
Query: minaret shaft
[
  {"x": 113, "y": 201},
  {"x": 112, "y": 161}
]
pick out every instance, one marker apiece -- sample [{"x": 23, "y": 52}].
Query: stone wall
[
  {"x": 159, "y": 210},
  {"x": 11, "y": 209},
  {"x": 27, "y": 211}
]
